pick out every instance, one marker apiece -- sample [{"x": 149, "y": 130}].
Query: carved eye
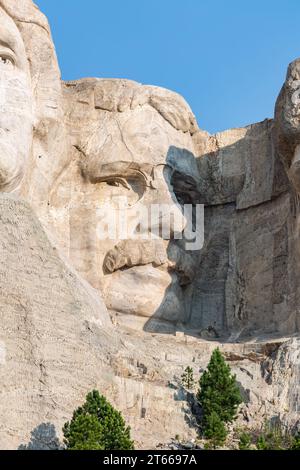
[
  {"x": 128, "y": 190},
  {"x": 6, "y": 62},
  {"x": 119, "y": 182}
]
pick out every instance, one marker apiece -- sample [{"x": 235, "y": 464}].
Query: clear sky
[{"x": 228, "y": 58}]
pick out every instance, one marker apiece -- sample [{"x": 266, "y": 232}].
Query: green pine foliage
[
  {"x": 295, "y": 445},
  {"x": 261, "y": 443},
  {"x": 84, "y": 433},
  {"x": 219, "y": 392},
  {"x": 215, "y": 430},
  {"x": 97, "y": 426},
  {"x": 187, "y": 378},
  {"x": 274, "y": 437},
  {"x": 245, "y": 441}
]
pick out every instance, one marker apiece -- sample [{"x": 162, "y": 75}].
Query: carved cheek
[
  {"x": 16, "y": 122},
  {"x": 16, "y": 94}
]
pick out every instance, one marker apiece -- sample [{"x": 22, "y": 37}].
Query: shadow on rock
[
  {"x": 43, "y": 437},
  {"x": 191, "y": 407}
]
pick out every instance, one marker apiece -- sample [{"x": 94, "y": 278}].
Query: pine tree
[
  {"x": 187, "y": 378},
  {"x": 84, "y": 433},
  {"x": 97, "y": 425},
  {"x": 296, "y": 443},
  {"x": 245, "y": 441},
  {"x": 215, "y": 430},
  {"x": 261, "y": 443},
  {"x": 218, "y": 391}
]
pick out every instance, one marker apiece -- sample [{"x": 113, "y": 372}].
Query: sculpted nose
[
  {"x": 174, "y": 213},
  {"x": 167, "y": 217}
]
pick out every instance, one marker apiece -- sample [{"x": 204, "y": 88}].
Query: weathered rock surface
[
  {"x": 47, "y": 315},
  {"x": 57, "y": 343},
  {"x": 246, "y": 281},
  {"x": 243, "y": 280}
]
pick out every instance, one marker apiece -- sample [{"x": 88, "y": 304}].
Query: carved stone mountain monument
[{"x": 127, "y": 316}]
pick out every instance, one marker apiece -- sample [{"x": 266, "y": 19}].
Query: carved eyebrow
[{"x": 6, "y": 45}]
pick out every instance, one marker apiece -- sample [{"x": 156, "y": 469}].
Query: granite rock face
[
  {"x": 57, "y": 343},
  {"x": 126, "y": 315},
  {"x": 46, "y": 317},
  {"x": 246, "y": 281}
]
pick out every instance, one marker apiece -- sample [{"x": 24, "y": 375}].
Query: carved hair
[{"x": 118, "y": 95}]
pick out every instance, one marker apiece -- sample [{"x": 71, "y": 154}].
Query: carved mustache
[{"x": 129, "y": 253}]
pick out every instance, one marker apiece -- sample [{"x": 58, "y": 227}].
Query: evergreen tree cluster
[{"x": 96, "y": 425}]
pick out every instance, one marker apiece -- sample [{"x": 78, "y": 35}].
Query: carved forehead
[
  {"x": 9, "y": 32},
  {"x": 11, "y": 38},
  {"x": 119, "y": 96},
  {"x": 121, "y": 124}
]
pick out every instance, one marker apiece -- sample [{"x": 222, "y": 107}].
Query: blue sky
[{"x": 228, "y": 58}]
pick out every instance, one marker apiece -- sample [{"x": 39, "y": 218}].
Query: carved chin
[
  {"x": 144, "y": 291},
  {"x": 11, "y": 171}
]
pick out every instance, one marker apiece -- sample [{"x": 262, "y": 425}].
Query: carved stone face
[
  {"x": 131, "y": 158},
  {"x": 287, "y": 123},
  {"x": 15, "y": 105}
]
